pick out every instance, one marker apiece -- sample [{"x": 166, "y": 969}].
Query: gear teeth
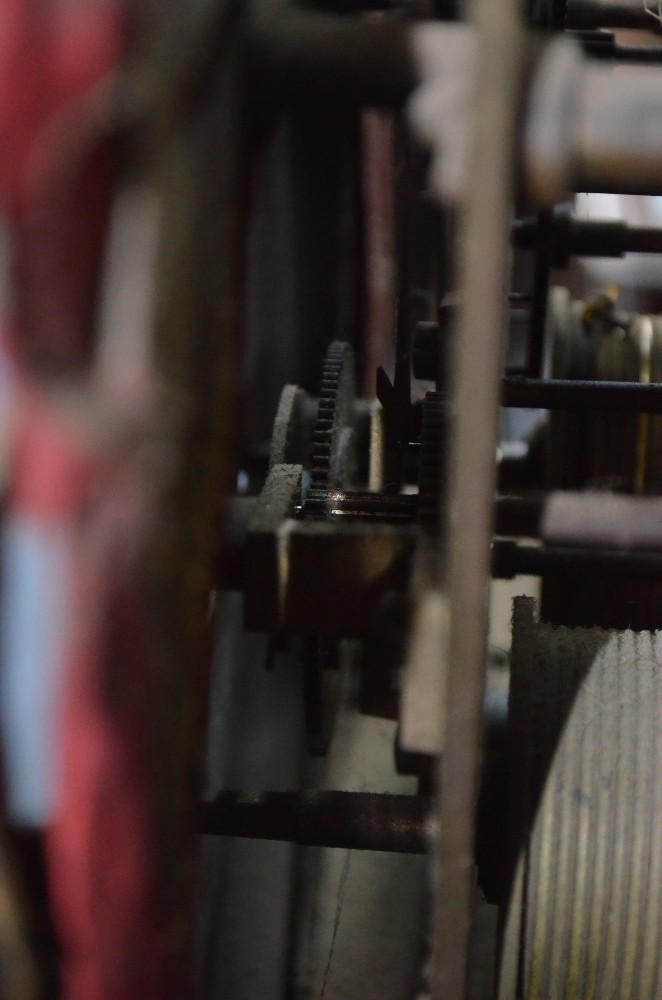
[
  {"x": 431, "y": 463},
  {"x": 336, "y": 358}
]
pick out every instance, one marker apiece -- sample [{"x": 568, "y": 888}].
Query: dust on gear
[{"x": 333, "y": 428}]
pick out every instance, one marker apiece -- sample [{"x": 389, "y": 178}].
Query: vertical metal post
[{"x": 477, "y": 363}]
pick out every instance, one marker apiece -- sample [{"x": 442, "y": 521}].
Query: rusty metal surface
[{"x": 364, "y": 821}]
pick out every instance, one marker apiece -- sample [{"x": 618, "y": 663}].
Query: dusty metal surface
[
  {"x": 292, "y": 427},
  {"x": 333, "y": 434},
  {"x": 265, "y": 567},
  {"x": 585, "y": 729}
]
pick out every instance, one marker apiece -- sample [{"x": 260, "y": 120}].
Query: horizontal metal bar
[
  {"x": 583, "y": 238},
  {"x": 304, "y": 56},
  {"x": 363, "y": 821},
  {"x": 581, "y": 395},
  {"x": 592, "y": 14},
  {"x": 510, "y": 559},
  {"x": 593, "y": 183},
  {"x": 609, "y": 49},
  {"x": 637, "y": 53},
  {"x": 356, "y": 506}
]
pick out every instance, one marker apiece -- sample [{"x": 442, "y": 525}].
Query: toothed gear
[
  {"x": 331, "y": 467},
  {"x": 431, "y": 463},
  {"x": 334, "y": 416}
]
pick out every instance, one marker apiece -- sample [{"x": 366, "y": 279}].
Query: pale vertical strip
[
  {"x": 603, "y": 764},
  {"x": 33, "y": 631},
  {"x": 476, "y": 370},
  {"x": 649, "y": 977}
]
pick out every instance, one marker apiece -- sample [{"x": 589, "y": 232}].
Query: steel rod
[
  {"x": 591, "y": 14},
  {"x": 581, "y": 395},
  {"x": 511, "y": 559},
  {"x": 362, "y": 821},
  {"x": 541, "y": 276},
  {"x": 346, "y": 505},
  {"x": 637, "y": 53},
  {"x": 566, "y": 235}
]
